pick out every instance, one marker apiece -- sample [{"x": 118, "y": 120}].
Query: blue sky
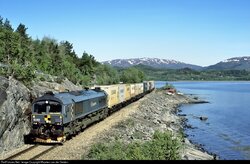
[{"x": 201, "y": 32}]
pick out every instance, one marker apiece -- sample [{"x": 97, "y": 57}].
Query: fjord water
[{"x": 226, "y": 132}]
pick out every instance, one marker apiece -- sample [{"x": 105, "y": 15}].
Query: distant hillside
[
  {"x": 236, "y": 63},
  {"x": 153, "y": 62},
  {"x": 165, "y": 74}
]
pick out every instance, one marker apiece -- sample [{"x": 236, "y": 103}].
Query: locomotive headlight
[
  {"x": 58, "y": 120},
  {"x": 34, "y": 116}
]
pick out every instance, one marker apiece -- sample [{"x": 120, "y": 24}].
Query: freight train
[{"x": 57, "y": 117}]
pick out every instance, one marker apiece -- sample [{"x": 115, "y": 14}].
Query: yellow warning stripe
[{"x": 47, "y": 118}]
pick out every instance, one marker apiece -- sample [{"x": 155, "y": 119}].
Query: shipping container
[
  {"x": 132, "y": 90},
  {"x": 113, "y": 94},
  {"x": 121, "y": 92},
  {"x": 151, "y": 85},
  {"x": 127, "y": 92},
  {"x": 138, "y": 88},
  {"x": 145, "y": 86}
]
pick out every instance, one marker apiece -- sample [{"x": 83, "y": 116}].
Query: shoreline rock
[
  {"x": 198, "y": 147},
  {"x": 157, "y": 111}
]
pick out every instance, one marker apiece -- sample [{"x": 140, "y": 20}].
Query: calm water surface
[{"x": 226, "y": 132}]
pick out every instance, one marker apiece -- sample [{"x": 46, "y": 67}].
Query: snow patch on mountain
[
  {"x": 237, "y": 59},
  {"x": 153, "y": 62}
]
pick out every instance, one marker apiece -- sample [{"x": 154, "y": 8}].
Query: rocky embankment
[
  {"x": 15, "y": 108},
  {"x": 157, "y": 111}
]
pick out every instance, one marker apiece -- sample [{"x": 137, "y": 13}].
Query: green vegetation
[
  {"x": 189, "y": 74},
  {"x": 167, "y": 86},
  {"x": 163, "y": 146},
  {"x": 132, "y": 75},
  {"x": 27, "y": 60},
  {"x": 125, "y": 124}
]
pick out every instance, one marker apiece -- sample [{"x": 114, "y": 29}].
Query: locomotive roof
[{"x": 73, "y": 96}]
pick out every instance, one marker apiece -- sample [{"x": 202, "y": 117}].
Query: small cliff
[{"x": 15, "y": 108}]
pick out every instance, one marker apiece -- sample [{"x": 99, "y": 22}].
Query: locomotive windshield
[{"x": 45, "y": 107}]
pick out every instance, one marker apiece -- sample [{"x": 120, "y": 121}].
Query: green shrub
[{"x": 163, "y": 146}]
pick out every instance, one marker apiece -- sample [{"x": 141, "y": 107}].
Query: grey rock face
[
  {"x": 41, "y": 87},
  {"x": 15, "y": 108},
  {"x": 3, "y": 86}
]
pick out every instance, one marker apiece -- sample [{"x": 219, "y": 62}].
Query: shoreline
[
  {"x": 197, "y": 146},
  {"x": 157, "y": 111},
  {"x": 193, "y": 100}
]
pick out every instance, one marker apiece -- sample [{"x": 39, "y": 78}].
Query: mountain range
[{"x": 236, "y": 63}]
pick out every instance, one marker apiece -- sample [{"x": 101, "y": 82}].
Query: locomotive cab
[
  {"x": 45, "y": 107},
  {"x": 47, "y": 121}
]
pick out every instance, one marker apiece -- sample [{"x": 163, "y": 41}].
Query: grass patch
[
  {"x": 125, "y": 124},
  {"x": 163, "y": 146},
  {"x": 138, "y": 135}
]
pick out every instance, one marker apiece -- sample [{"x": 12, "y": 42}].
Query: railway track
[{"x": 32, "y": 152}]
